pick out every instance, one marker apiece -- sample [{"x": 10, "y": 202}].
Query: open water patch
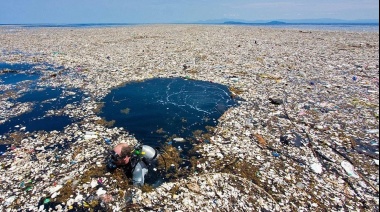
[
  {"x": 3, "y": 148},
  {"x": 15, "y": 73},
  {"x": 13, "y": 78},
  {"x": 19, "y": 83},
  {"x": 157, "y": 109},
  {"x": 43, "y": 100}
]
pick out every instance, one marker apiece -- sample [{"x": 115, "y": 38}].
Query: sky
[{"x": 176, "y": 11}]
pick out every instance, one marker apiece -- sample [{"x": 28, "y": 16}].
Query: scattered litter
[
  {"x": 373, "y": 131},
  {"x": 316, "y": 167},
  {"x": 276, "y": 101},
  {"x": 9, "y": 200},
  {"x": 328, "y": 74},
  {"x": 349, "y": 169},
  {"x": 261, "y": 140},
  {"x": 179, "y": 139}
]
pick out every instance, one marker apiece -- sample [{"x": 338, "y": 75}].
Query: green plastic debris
[{"x": 46, "y": 201}]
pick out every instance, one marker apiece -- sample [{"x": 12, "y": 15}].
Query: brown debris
[{"x": 261, "y": 140}]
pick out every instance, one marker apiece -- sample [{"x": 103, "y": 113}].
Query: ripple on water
[{"x": 156, "y": 109}]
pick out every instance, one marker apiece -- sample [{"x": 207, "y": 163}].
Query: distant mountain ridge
[
  {"x": 269, "y": 23},
  {"x": 290, "y": 21}
]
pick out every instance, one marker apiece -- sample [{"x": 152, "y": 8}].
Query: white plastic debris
[
  {"x": 316, "y": 167},
  {"x": 88, "y": 137},
  {"x": 78, "y": 198},
  {"x": 54, "y": 189},
  {"x": 55, "y": 194},
  {"x": 349, "y": 168},
  {"x": 93, "y": 183},
  {"x": 373, "y": 131},
  {"x": 100, "y": 192},
  {"x": 179, "y": 139},
  {"x": 10, "y": 200}
]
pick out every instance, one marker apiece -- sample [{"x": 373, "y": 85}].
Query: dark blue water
[
  {"x": 29, "y": 67},
  {"x": 3, "y": 148},
  {"x": 15, "y": 73},
  {"x": 13, "y": 78},
  {"x": 43, "y": 100},
  {"x": 40, "y": 95},
  {"x": 156, "y": 109},
  {"x": 19, "y": 72},
  {"x": 16, "y": 66}
]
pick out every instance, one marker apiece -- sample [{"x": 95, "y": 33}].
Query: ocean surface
[
  {"x": 352, "y": 27},
  {"x": 22, "y": 78},
  {"x": 158, "y": 109}
]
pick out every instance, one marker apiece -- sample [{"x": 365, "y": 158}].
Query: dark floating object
[
  {"x": 285, "y": 140},
  {"x": 276, "y": 101}
]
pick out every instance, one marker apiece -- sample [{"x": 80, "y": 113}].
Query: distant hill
[
  {"x": 290, "y": 21},
  {"x": 276, "y": 22},
  {"x": 266, "y": 23}
]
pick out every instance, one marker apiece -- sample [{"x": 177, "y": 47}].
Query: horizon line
[
  {"x": 199, "y": 22},
  {"x": 221, "y": 21}
]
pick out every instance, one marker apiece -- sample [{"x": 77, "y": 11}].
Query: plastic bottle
[{"x": 139, "y": 174}]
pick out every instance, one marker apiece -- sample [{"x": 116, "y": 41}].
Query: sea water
[
  {"x": 42, "y": 99},
  {"x": 15, "y": 73},
  {"x": 158, "y": 109}
]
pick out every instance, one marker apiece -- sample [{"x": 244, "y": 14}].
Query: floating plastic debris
[
  {"x": 372, "y": 131},
  {"x": 349, "y": 169},
  {"x": 100, "y": 192},
  {"x": 275, "y": 154},
  {"x": 90, "y": 135},
  {"x": 108, "y": 141},
  {"x": 46, "y": 201},
  {"x": 10, "y": 200},
  {"x": 277, "y": 68},
  {"x": 179, "y": 139},
  {"x": 316, "y": 167}
]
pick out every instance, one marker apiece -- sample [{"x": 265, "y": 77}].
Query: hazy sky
[{"x": 163, "y": 11}]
